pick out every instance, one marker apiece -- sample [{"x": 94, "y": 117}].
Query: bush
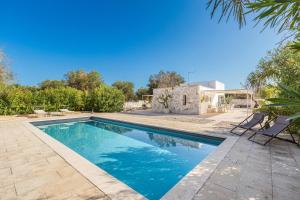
[
  {"x": 52, "y": 99},
  {"x": 4, "y": 100},
  {"x": 23, "y": 100},
  {"x": 16, "y": 99},
  {"x": 105, "y": 99}
]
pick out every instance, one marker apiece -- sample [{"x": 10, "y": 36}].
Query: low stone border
[{"x": 185, "y": 189}]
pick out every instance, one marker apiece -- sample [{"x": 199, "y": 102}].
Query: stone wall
[
  {"x": 134, "y": 105},
  {"x": 176, "y": 102}
]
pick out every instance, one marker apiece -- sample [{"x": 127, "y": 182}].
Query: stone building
[{"x": 188, "y": 98}]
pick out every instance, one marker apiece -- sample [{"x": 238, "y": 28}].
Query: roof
[{"x": 233, "y": 91}]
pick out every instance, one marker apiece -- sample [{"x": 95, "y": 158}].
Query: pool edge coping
[
  {"x": 186, "y": 188},
  {"x": 191, "y": 183}
]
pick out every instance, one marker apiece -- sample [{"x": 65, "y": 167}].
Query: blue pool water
[{"x": 149, "y": 160}]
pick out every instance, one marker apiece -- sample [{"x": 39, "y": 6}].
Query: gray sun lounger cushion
[
  {"x": 281, "y": 124},
  {"x": 256, "y": 119}
]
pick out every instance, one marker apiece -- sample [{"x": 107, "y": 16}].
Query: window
[{"x": 184, "y": 100}]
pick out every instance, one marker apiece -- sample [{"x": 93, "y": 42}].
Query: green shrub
[
  {"x": 105, "y": 99},
  {"x": 4, "y": 100},
  {"x": 23, "y": 100},
  {"x": 52, "y": 99},
  {"x": 15, "y": 100}
]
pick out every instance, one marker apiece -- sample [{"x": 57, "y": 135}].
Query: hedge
[{"x": 23, "y": 100}]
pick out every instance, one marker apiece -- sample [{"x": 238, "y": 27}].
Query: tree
[
  {"x": 5, "y": 74},
  {"x": 126, "y": 87},
  {"x": 94, "y": 80},
  {"x": 269, "y": 91},
  {"x": 142, "y": 91},
  {"x": 164, "y": 99},
  {"x": 52, "y": 84},
  {"x": 282, "y": 65},
  {"x": 164, "y": 79},
  {"x": 82, "y": 80},
  {"x": 277, "y": 78},
  {"x": 282, "y": 15}
]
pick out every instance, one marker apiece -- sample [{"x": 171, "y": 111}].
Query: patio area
[{"x": 30, "y": 169}]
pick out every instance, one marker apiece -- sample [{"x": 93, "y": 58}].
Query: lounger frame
[
  {"x": 245, "y": 129},
  {"x": 273, "y": 136}
]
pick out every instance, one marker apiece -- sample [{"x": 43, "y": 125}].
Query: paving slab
[{"x": 213, "y": 192}]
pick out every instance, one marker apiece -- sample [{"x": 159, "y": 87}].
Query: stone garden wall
[{"x": 135, "y": 105}]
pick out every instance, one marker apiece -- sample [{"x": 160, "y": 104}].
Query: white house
[{"x": 191, "y": 98}]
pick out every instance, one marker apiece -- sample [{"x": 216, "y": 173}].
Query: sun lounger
[
  {"x": 65, "y": 111},
  {"x": 40, "y": 112},
  {"x": 55, "y": 113},
  {"x": 246, "y": 124},
  {"x": 281, "y": 124}
]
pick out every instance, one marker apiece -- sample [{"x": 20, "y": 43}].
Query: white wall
[
  {"x": 214, "y": 85},
  {"x": 217, "y": 85}
]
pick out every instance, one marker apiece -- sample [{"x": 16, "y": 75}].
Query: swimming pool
[{"x": 149, "y": 160}]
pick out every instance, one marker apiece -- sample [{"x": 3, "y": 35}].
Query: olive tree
[
  {"x": 165, "y": 79},
  {"x": 127, "y": 88},
  {"x": 82, "y": 80},
  {"x": 6, "y": 74}
]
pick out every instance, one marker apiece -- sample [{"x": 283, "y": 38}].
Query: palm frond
[
  {"x": 292, "y": 100},
  {"x": 295, "y": 116},
  {"x": 281, "y": 14},
  {"x": 290, "y": 91},
  {"x": 296, "y": 44},
  {"x": 236, "y": 8}
]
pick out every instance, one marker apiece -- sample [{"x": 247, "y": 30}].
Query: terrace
[
  {"x": 78, "y": 79},
  {"x": 31, "y": 169}
]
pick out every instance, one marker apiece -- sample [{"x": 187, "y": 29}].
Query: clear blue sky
[{"x": 127, "y": 40}]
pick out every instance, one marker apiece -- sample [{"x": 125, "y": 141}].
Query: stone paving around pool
[{"x": 30, "y": 169}]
